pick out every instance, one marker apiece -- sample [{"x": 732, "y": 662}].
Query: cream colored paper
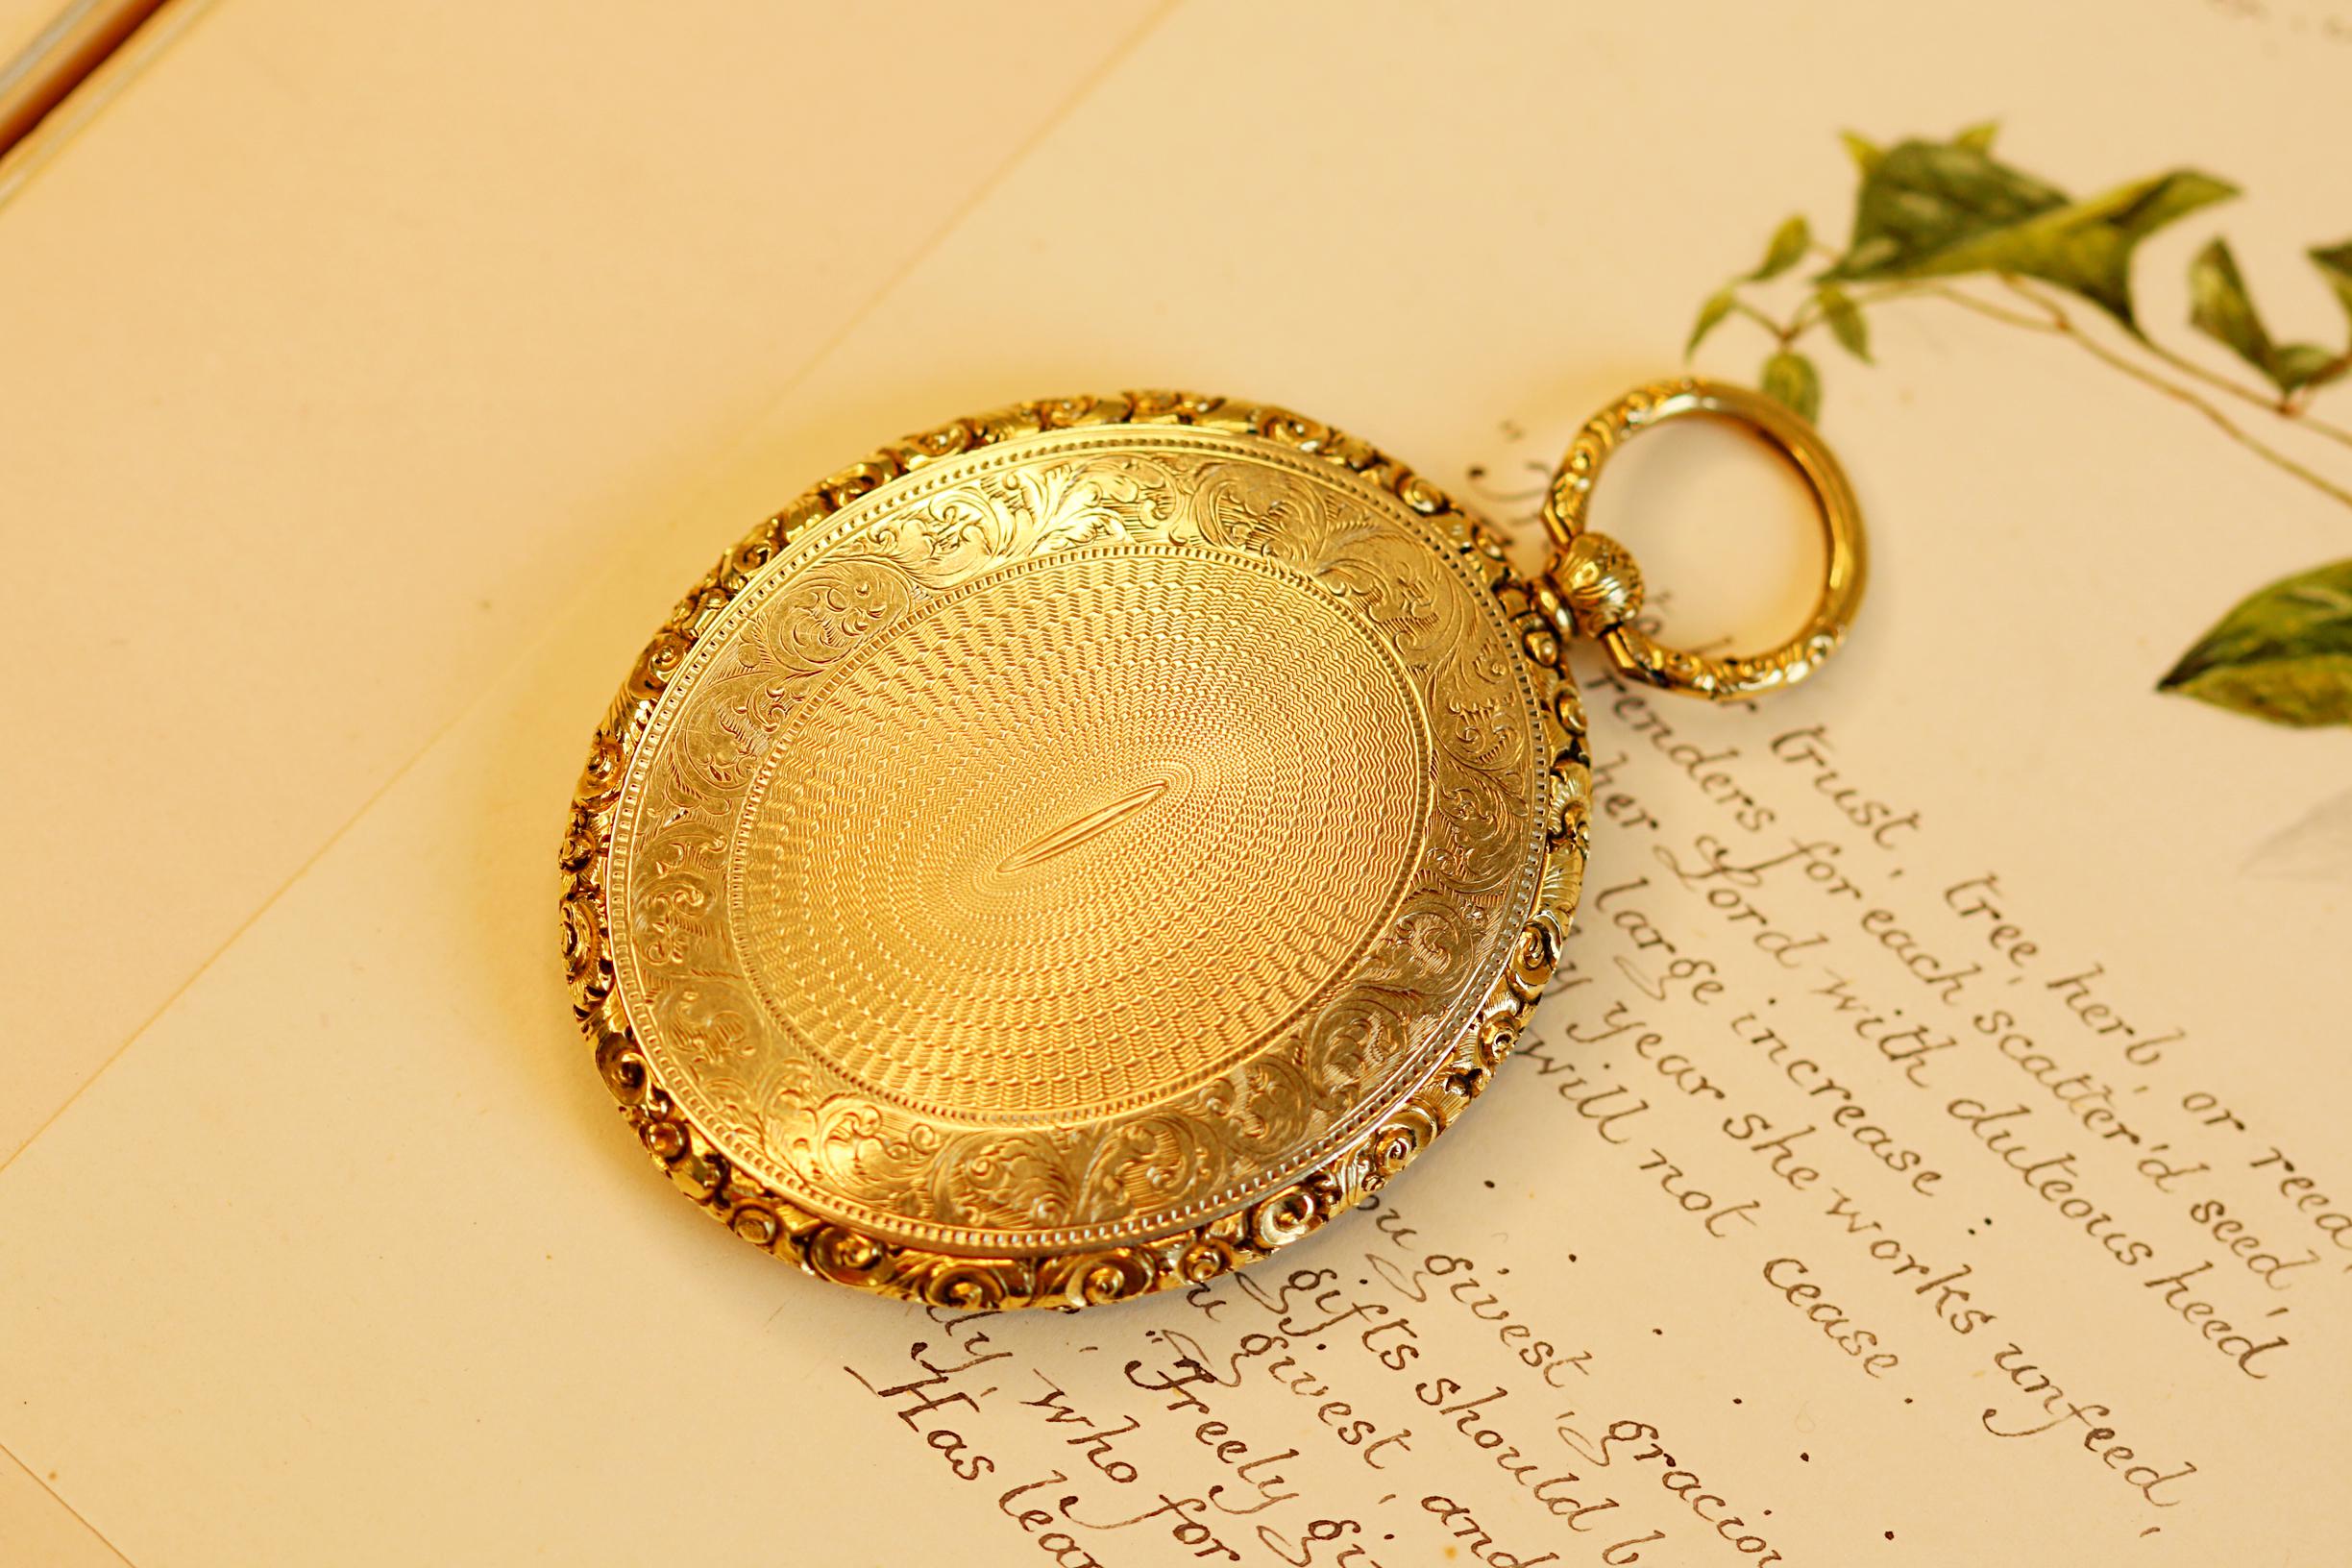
[
  {"x": 347, "y": 1258},
  {"x": 343, "y": 346}
]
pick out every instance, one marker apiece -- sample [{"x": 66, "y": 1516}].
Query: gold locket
[{"x": 1077, "y": 850}]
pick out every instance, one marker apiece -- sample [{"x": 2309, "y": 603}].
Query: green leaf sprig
[{"x": 1930, "y": 215}]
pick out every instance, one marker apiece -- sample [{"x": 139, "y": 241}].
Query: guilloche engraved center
[
  {"x": 1063, "y": 839},
  {"x": 1080, "y": 834}
]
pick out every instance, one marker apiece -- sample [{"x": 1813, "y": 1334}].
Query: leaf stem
[
  {"x": 2050, "y": 317},
  {"x": 1785, "y": 334},
  {"x": 2053, "y": 319},
  {"x": 2288, "y": 408},
  {"x": 2061, "y": 323},
  {"x": 1945, "y": 291}
]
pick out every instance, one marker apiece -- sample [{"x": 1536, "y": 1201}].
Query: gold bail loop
[{"x": 1598, "y": 586}]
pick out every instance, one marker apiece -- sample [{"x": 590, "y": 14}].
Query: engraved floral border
[
  {"x": 864, "y": 1159},
  {"x": 1360, "y": 1165}
]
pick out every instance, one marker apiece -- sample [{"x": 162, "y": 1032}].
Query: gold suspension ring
[{"x": 1599, "y": 585}]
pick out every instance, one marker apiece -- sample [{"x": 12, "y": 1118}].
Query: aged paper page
[
  {"x": 1928, "y": 1155},
  {"x": 384, "y": 323}
]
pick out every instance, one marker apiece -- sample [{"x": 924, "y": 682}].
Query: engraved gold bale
[{"x": 1076, "y": 851}]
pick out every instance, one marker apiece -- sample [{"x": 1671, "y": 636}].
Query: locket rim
[{"x": 845, "y": 1252}]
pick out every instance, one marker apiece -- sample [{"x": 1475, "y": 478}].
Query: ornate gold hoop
[{"x": 1598, "y": 585}]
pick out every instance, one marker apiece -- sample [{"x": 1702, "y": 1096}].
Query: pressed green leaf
[
  {"x": 1864, "y": 153},
  {"x": 1921, "y": 197},
  {"x": 1939, "y": 210},
  {"x": 2221, "y": 307},
  {"x": 1845, "y": 319},
  {"x": 2335, "y": 264},
  {"x": 2284, "y": 653},
  {"x": 2307, "y": 364},
  {"x": 1787, "y": 248},
  {"x": 1978, "y": 139},
  {"x": 1790, "y": 377},
  {"x": 1710, "y": 316}
]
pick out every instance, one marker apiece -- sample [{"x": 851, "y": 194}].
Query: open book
[{"x": 1930, "y": 1153}]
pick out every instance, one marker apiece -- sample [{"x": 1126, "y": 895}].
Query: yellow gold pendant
[{"x": 1080, "y": 850}]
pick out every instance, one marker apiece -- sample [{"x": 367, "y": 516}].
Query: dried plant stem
[
  {"x": 1786, "y": 333},
  {"x": 1966, "y": 301},
  {"x": 2056, "y": 320},
  {"x": 2049, "y": 317},
  {"x": 2283, "y": 408}
]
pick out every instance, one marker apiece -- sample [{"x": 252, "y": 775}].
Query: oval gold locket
[{"x": 1079, "y": 850}]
